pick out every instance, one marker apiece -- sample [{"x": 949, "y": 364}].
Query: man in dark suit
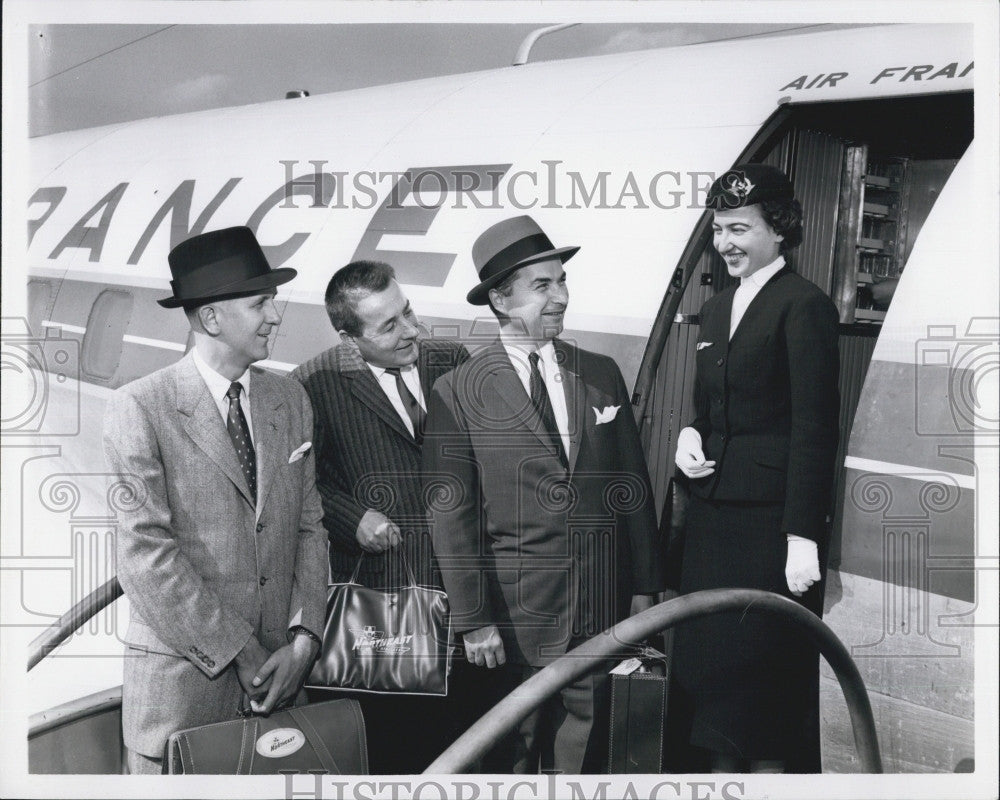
[
  {"x": 546, "y": 533},
  {"x": 760, "y": 455},
  {"x": 368, "y": 395},
  {"x": 223, "y": 560}
]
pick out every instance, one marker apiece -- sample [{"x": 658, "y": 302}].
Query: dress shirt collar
[
  {"x": 518, "y": 350},
  {"x": 218, "y": 385},
  {"x": 764, "y": 274},
  {"x": 378, "y": 372}
]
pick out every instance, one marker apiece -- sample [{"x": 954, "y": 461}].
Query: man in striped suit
[{"x": 368, "y": 395}]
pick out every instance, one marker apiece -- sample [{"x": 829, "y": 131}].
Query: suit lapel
[
  {"x": 265, "y": 408},
  {"x": 576, "y": 399},
  {"x": 366, "y": 390},
  {"x": 204, "y": 424},
  {"x": 505, "y": 392},
  {"x": 424, "y": 371},
  {"x": 718, "y": 329},
  {"x": 756, "y": 304}
]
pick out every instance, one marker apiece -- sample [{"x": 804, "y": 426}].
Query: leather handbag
[
  {"x": 393, "y": 641},
  {"x": 322, "y": 738},
  {"x": 638, "y": 712}
]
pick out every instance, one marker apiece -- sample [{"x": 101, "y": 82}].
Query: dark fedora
[
  {"x": 507, "y": 246},
  {"x": 219, "y": 265},
  {"x": 748, "y": 184}
]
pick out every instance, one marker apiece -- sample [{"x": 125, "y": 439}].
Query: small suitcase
[
  {"x": 324, "y": 738},
  {"x": 638, "y": 713}
]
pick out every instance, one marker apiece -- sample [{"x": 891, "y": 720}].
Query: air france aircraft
[{"x": 614, "y": 153}]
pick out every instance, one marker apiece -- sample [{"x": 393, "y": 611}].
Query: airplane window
[{"x": 102, "y": 343}]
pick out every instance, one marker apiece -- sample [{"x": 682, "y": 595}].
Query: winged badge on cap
[{"x": 738, "y": 185}]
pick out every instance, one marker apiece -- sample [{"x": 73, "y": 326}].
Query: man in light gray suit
[{"x": 224, "y": 561}]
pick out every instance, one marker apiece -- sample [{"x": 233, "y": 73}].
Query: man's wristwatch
[{"x": 297, "y": 629}]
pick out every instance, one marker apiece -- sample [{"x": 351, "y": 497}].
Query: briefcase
[
  {"x": 392, "y": 641},
  {"x": 638, "y": 712},
  {"x": 322, "y": 738}
]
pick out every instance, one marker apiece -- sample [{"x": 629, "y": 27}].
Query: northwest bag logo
[
  {"x": 370, "y": 639},
  {"x": 280, "y": 742}
]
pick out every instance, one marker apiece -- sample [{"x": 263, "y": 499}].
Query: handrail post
[{"x": 524, "y": 51}]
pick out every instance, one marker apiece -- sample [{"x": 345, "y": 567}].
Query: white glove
[
  {"x": 802, "y": 564},
  {"x": 690, "y": 458}
]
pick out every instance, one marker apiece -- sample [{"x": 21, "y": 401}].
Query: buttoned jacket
[
  {"x": 368, "y": 459},
  {"x": 547, "y": 553},
  {"x": 767, "y": 401},
  {"x": 203, "y": 570}
]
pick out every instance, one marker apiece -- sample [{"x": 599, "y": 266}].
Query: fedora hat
[
  {"x": 508, "y": 246},
  {"x": 219, "y": 265}
]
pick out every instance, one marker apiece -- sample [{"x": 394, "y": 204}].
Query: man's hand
[
  {"x": 690, "y": 457},
  {"x": 801, "y": 565},
  {"x": 640, "y": 602},
  {"x": 248, "y": 661},
  {"x": 376, "y": 532},
  {"x": 484, "y": 647},
  {"x": 286, "y": 669}
]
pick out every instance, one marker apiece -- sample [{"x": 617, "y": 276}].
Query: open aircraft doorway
[{"x": 869, "y": 174}]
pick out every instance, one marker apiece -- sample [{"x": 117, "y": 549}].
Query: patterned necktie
[
  {"x": 540, "y": 400},
  {"x": 413, "y": 409},
  {"x": 239, "y": 432}
]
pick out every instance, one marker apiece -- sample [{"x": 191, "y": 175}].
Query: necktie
[
  {"x": 413, "y": 409},
  {"x": 540, "y": 400},
  {"x": 239, "y": 432}
]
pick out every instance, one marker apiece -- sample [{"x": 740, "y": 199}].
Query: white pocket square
[
  {"x": 608, "y": 414},
  {"x": 703, "y": 345},
  {"x": 299, "y": 452}
]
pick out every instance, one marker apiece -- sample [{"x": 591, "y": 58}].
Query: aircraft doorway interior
[{"x": 867, "y": 174}]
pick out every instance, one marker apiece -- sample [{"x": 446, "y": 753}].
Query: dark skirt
[{"x": 751, "y": 682}]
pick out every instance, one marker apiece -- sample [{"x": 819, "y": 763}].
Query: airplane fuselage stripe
[
  {"x": 128, "y": 337},
  {"x": 48, "y": 323},
  {"x": 284, "y": 366}
]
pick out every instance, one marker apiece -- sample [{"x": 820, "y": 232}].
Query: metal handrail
[
  {"x": 524, "y": 51},
  {"x": 78, "y": 616},
  {"x": 619, "y": 640},
  {"x": 80, "y": 708}
]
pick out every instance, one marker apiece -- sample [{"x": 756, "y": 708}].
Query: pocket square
[
  {"x": 703, "y": 345},
  {"x": 299, "y": 452},
  {"x": 608, "y": 414}
]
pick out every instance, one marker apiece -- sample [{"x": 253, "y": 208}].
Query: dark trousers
[
  {"x": 567, "y": 733},
  {"x": 405, "y": 733}
]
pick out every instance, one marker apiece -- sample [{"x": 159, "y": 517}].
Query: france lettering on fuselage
[
  {"x": 916, "y": 73},
  {"x": 91, "y": 230}
]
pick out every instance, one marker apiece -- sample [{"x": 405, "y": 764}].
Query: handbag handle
[{"x": 402, "y": 557}]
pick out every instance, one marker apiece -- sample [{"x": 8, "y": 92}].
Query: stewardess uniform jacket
[{"x": 767, "y": 401}]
